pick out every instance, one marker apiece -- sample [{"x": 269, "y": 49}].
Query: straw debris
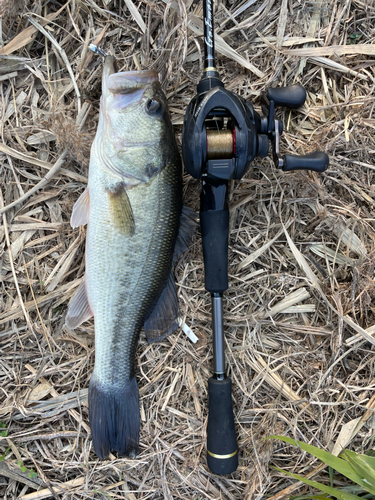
[{"x": 299, "y": 312}]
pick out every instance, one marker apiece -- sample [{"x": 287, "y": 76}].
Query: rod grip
[
  {"x": 222, "y": 452},
  {"x": 215, "y": 230}
]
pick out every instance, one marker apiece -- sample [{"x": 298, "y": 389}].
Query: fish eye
[{"x": 153, "y": 106}]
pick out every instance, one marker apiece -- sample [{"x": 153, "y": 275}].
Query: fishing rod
[{"x": 221, "y": 136}]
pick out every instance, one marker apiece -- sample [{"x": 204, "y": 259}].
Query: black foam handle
[
  {"x": 292, "y": 97},
  {"x": 215, "y": 229},
  {"x": 222, "y": 452},
  {"x": 317, "y": 161}
]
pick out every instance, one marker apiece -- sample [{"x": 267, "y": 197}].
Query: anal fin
[
  {"x": 164, "y": 318},
  {"x": 188, "y": 227},
  {"x": 79, "y": 309}
]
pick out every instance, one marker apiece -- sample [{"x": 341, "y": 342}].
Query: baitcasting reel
[{"x": 216, "y": 151}]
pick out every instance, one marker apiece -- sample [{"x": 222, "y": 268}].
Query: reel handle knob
[
  {"x": 317, "y": 161},
  {"x": 292, "y": 97},
  {"x": 222, "y": 453}
]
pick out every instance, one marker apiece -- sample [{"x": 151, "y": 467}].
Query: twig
[
  {"x": 21, "y": 477},
  {"x": 293, "y": 487},
  {"x": 7, "y": 239},
  {"x": 64, "y": 57},
  {"x": 40, "y": 184},
  {"x": 36, "y": 305},
  {"x": 62, "y": 487}
]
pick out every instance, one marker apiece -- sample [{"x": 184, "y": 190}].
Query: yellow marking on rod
[
  {"x": 222, "y": 456},
  {"x": 210, "y": 69}
]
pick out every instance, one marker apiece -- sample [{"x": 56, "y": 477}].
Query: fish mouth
[
  {"x": 128, "y": 80},
  {"x": 126, "y": 87},
  {"x": 108, "y": 69}
]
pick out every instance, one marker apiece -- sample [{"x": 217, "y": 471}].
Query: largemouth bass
[{"x": 132, "y": 207}]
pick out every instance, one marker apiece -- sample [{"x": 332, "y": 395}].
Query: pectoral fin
[
  {"x": 81, "y": 210},
  {"x": 164, "y": 318},
  {"x": 79, "y": 310},
  {"x": 121, "y": 211}
]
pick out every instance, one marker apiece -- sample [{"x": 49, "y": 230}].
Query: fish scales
[
  {"x": 132, "y": 208},
  {"x": 139, "y": 267}
]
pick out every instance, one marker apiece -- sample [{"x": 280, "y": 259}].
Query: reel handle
[
  {"x": 317, "y": 161},
  {"x": 291, "y": 97},
  {"x": 222, "y": 452}
]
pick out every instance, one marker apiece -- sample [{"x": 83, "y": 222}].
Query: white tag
[{"x": 188, "y": 331}]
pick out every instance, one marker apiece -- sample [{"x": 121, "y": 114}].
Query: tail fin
[{"x": 114, "y": 418}]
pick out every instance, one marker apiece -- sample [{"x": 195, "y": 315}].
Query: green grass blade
[
  {"x": 341, "y": 495},
  {"x": 336, "y": 463},
  {"x": 311, "y": 497},
  {"x": 3, "y": 456},
  {"x": 370, "y": 461},
  {"x": 352, "y": 469},
  {"x": 330, "y": 470},
  {"x": 362, "y": 468},
  {"x": 353, "y": 488}
]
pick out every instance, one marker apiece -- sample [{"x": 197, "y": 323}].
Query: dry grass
[{"x": 299, "y": 314}]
